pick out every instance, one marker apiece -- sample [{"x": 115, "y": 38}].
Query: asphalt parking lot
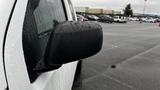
[{"x": 129, "y": 60}]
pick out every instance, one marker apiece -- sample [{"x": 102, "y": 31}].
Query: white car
[
  {"x": 81, "y": 18},
  {"x": 40, "y": 44},
  {"x": 150, "y": 20},
  {"x": 133, "y": 19},
  {"x": 143, "y": 19},
  {"x": 119, "y": 20}
]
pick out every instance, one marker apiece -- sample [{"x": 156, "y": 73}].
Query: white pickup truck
[{"x": 41, "y": 43}]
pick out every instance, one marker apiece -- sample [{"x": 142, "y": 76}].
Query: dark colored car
[{"x": 107, "y": 19}]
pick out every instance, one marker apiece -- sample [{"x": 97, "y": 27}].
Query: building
[
  {"x": 117, "y": 13},
  {"x": 81, "y": 9},
  {"x": 107, "y": 11},
  {"x": 96, "y": 11}
]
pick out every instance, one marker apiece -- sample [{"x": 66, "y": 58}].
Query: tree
[{"x": 128, "y": 10}]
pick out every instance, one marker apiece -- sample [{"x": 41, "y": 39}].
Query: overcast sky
[{"x": 153, "y": 6}]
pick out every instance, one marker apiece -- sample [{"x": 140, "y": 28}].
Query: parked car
[
  {"x": 41, "y": 44},
  {"x": 133, "y": 19},
  {"x": 158, "y": 20},
  {"x": 119, "y": 19},
  {"x": 81, "y": 18},
  {"x": 150, "y": 20},
  {"x": 92, "y": 17},
  {"x": 105, "y": 18},
  {"x": 143, "y": 19}
]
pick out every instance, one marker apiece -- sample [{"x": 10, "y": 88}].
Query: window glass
[
  {"x": 40, "y": 20},
  {"x": 48, "y": 13}
]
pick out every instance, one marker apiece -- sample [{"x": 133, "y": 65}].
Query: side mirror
[{"x": 72, "y": 41}]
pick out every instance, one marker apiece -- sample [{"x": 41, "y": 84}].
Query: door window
[{"x": 41, "y": 18}]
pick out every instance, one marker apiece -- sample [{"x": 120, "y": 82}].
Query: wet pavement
[{"x": 129, "y": 60}]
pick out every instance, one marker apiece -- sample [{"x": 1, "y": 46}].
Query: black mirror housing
[{"x": 72, "y": 41}]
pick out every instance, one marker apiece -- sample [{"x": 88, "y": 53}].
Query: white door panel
[
  {"x": 5, "y": 10},
  {"x": 14, "y": 58},
  {"x": 61, "y": 79}
]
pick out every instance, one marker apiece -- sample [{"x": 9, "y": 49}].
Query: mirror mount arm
[{"x": 43, "y": 67}]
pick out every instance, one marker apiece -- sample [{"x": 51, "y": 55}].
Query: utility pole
[{"x": 144, "y": 9}]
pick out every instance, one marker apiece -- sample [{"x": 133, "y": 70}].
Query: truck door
[
  {"x": 3, "y": 84},
  {"x": 6, "y": 7},
  {"x": 26, "y": 41}
]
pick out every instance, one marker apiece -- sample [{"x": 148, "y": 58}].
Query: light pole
[{"x": 144, "y": 9}]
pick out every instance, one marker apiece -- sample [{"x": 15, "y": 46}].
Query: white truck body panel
[
  {"x": 61, "y": 79},
  {"x": 5, "y": 10}
]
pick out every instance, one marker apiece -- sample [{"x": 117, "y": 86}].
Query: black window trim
[{"x": 65, "y": 10}]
